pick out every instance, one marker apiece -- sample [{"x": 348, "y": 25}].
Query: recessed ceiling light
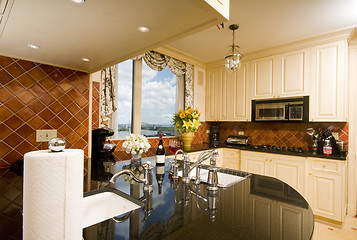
[
  {"x": 143, "y": 29},
  {"x": 85, "y": 59},
  {"x": 78, "y": 1},
  {"x": 33, "y": 46}
]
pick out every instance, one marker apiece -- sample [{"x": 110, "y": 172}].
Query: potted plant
[{"x": 187, "y": 123}]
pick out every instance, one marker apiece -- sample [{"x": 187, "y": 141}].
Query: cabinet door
[
  {"x": 212, "y": 96},
  {"x": 263, "y": 78},
  {"x": 325, "y": 195},
  {"x": 329, "y": 92},
  {"x": 293, "y": 73},
  {"x": 255, "y": 163},
  {"x": 290, "y": 170},
  {"x": 261, "y": 217},
  {"x": 231, "y": 158},
  {"x": 241, "y": 102}
]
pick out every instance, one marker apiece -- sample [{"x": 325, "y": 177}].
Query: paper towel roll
[{"x": 53, "y": 195}]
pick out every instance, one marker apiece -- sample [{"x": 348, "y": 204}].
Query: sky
[{"x": 158, "y": 94}]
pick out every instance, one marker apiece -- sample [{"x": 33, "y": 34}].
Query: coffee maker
[
  {"x": 214, "y": 136},
  {"x": 102, "y": 153},
  {"x": 100, "y": 149}
]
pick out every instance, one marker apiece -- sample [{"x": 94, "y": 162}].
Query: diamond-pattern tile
[
  {"x": 15, "y": 70},
  {"x": 33, "y": 96}
]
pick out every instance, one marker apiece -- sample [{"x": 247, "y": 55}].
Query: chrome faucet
[
  {"x": 212, "y": 180},
  {"x": 212, "y": 154},
  {"x": 147, "y": 180},
  {"x": 174, "y": 165}
]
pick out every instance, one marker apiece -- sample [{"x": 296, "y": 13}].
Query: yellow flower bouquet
[{"x": 187, "y": 121}]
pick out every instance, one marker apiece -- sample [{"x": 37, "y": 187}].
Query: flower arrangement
[
  {"x": 136, "y": 144},
  {"x": 187, "y": 121}
]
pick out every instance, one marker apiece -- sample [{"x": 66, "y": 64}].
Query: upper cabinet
[
  {"x": 283, "y": 75},
  {"x": 226, "y": 95},
  {"x": 316, "y": 68},
  {"x": 328, "y": 98}
]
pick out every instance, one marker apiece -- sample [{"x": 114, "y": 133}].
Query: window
[
  {"x": 159, "y": 93},
  {"x": 124, "y": 97},
  {"x": 158, "y": 101}
]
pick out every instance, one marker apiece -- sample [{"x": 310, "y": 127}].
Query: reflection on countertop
[{"x": 251, "y": 209}]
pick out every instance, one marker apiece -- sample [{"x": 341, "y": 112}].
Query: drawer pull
[{"x": 324, "y": 166}]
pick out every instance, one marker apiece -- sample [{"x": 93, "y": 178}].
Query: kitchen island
[{"x": 259, "y": 207}]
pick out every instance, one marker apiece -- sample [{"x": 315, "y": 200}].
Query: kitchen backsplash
[
  {"x": 200, "y": 137},
  {"x": 38, "y": 96},
  {"x": 279, "y": 134}
]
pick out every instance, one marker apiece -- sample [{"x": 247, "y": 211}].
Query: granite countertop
[
  {"x": 259, "y": 207},
  {"x": 202, "y": 147}
]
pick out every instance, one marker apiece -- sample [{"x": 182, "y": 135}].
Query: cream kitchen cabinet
[
  {"x": 289, "y": 169},
  {"x": 231, "y": 158},
  {"x": 326, "y": 189},
  {"x": 283, "y": 75},
  {"x": 267, "y": 215},
  {"x": 227, "y": 95},
  {"x": 328, "y": 99}
]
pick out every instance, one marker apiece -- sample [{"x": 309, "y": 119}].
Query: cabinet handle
[
  {"x": 323, "y": 166},
  {"x": 271, "y": 160},
  {"x": 266, "y": 160},
  {"x": 310, "y": 174}
]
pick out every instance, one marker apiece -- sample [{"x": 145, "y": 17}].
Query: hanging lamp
[{"x": 233, "y": 59}]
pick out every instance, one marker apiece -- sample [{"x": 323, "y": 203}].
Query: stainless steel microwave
[{"x": 289, "y": 109}]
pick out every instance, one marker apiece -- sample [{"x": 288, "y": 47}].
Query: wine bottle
[
  {"x": 160, "y": 153},
  {"x": 160, "y": 175}
]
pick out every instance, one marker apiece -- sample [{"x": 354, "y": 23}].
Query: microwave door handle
[{"x": 287, "y": 112}]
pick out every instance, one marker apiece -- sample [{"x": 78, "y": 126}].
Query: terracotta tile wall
[
  {"x": 200, "y": 137},
  {"x": 38, "y": 96},
  {"x": 35, "y": 96},
  {"x": 95, "y": 104},
  {"x": 279, "y": 134}
]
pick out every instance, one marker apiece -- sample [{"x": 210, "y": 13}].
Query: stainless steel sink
[
  {"x": 226, "y": 177},
  {"x": 103, "y": 204}
]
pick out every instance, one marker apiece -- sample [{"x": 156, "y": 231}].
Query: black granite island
[{"x": 259, "y": 207}]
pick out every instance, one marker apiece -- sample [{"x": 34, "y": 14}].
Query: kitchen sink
[
  {"x": 103, "y": 204},
  {"x": 226, "y": 177}
]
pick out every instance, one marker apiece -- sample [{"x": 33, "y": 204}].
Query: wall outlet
[
  {"x": 45, "y": 135},
  {"x": 241, "y": 133},
  {"x": 207, "y": 131}
]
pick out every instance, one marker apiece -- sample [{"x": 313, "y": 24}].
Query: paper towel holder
[{"x": 56, "y": 144}]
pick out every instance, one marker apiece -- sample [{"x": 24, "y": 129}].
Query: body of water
[{"x": 123, "y": 134}]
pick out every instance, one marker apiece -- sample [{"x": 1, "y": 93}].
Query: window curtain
[
  {"x": 107, "y": 102},
  {"x": 158, "y": 62}
]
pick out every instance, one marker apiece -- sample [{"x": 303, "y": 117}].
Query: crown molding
[
  {"x": 343, "y": 34},
  {"x": 182, "y": 56}
]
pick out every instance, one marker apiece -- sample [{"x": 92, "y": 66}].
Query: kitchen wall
[
  {"x": 200, "y": 137},
  {"x": 37, "y": 96},
  {"x": 279, "y": 134}
]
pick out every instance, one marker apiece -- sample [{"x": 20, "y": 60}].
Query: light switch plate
[{"x": 45, "y": 135}]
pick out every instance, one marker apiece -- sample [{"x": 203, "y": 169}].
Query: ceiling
[
  {"x": 106, "y": 31},
  {"x": 269, "y": 23}
]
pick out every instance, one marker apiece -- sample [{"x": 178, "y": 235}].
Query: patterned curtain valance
[
  {"x": 107, "y": 106},
  {"x": 158, "y": 62}
]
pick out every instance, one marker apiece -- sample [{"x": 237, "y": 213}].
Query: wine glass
[{"x": 173, "y": 146}]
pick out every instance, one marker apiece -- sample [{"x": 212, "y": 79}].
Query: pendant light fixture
[{"x": 233, "y": 59}]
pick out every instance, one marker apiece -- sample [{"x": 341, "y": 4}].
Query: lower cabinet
[
  {"x": 321, "y": 181},
  {"x": 268, "y": 215},
  {"x": 327, "y": 191},
  {"x": 289, "y": 169}
]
